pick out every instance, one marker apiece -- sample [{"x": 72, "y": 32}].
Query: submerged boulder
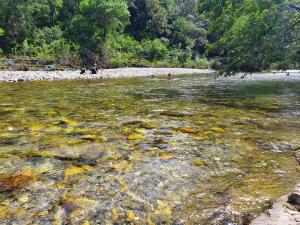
[
  {"x": 189, "y": 130},
  {"x": 12, "y": 182},
  {"x": 294, "y": 198},
  {"x": 139, "y": 123},
  {"x": 280, "y": 146}
]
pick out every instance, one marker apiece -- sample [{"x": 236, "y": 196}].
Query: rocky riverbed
[
  {"x": 192, "y": 150},
  {"x": 21, "y": 76}
]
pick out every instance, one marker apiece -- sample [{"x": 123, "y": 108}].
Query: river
[{"x": 193, "y": 150}]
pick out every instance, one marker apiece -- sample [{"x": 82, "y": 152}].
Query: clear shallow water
[{"x": 188, "y": 151}]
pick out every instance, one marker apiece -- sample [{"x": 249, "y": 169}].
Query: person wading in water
[{"x": 169, "y": 77}]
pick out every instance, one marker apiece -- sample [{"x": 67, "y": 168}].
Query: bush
[
  {"x": 202, "y": 63},
  {"x": 2, "y": 65},
  {"x": 123, "y": 51},
  {"x": 153, "y": 49},
  {"x": 50, "y": 45}
]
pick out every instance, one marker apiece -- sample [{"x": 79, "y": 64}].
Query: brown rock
[{"x": 13, "y": 182}]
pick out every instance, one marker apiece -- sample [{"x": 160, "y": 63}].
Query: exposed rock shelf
[{"x": 285, "y": 211}]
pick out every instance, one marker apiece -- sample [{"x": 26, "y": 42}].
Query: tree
[
  {"x": 157, "y": 23},
  {"x": 96, "y": 22},
  {"x": 16, "y": 20},
  {"x": 186, "y": 34},
  {"x": 45, "y": 12},
  {"x": 68, "y": 10},
  {"x": 248, "y": 35},
  {"x": 148, "y": 18}
]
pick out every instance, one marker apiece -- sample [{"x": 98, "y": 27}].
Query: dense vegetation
[
  {"x": 253, "y": 35},
  {"x": 240, "y": 35}
]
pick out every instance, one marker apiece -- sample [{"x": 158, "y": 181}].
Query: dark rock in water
[
  {"x": 294, "y": 198},
  {"x": 162, "y": 146},
  {"x": 297, "y": 155},
  {"x": 223, "y": 194},
  {"x": 145, "y": 147},
  {"x": 88, "y": 161},
  {"x": 175, "y": 114},
  {"x": 139, "y": 123},
  {"x": 281, "y": 146},
  {"x": 8, "y": 141},
  {"x": 158, "y": 140},
  {"x": 188, "y": 130},
  {"x": 247, "y": 218},
  {"x": 164, "y": 131},
  {"x": 69, "y": 207}
]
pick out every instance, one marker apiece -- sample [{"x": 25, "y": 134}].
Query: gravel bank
[{"x": 19, "y": 76}]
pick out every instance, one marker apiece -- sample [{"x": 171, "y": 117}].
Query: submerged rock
[
  {"x": 175, "y": 114},
  {"x": 139, "y": 123},
  {"x": 294, "y": 198},
  {"x": 135, "y": 136},
  {"x": 74, "y": 170},
  {"x": 218, "y": 130},
  {"x": 10, "y": 183},
  {"x": 198, "y": 162},
  {"x": 189, "y": 130},
  {"x": 281, "y": 146},
  {"x": 130, "y": 215}
]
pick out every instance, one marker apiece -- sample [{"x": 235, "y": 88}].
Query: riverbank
[{"x": 22, "y": 76}]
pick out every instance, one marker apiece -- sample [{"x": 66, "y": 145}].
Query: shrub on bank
[
  {"x": 50, "y": 45},
  {"x": 124, "y": 51}
]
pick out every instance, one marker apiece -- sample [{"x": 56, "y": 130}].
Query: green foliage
[
  {"x": 153, "y": 49},
  {"x": 45, "y": 12},
  {"x": 50, "y": 45},
  {"x": 15, "y": 19},
  {"x": 186, "y": 34},
  {"x": 157, "y": 22},
  {"x": 248, "y": 35},
  {"x": 123, "y": 50},
  {"x": 240, "y": 35},
  {"x": 97, "y": 21}
]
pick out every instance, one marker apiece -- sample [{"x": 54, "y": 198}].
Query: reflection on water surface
[{"x": 188, "y": 151}]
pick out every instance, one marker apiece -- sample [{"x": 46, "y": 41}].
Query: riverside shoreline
[{"x": 23, "y": 76}]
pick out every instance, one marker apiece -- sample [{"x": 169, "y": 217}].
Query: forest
[{"x": 227, "y": 35}]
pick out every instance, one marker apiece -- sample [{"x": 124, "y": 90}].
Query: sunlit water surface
[{"x": 193, "y": 150}]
